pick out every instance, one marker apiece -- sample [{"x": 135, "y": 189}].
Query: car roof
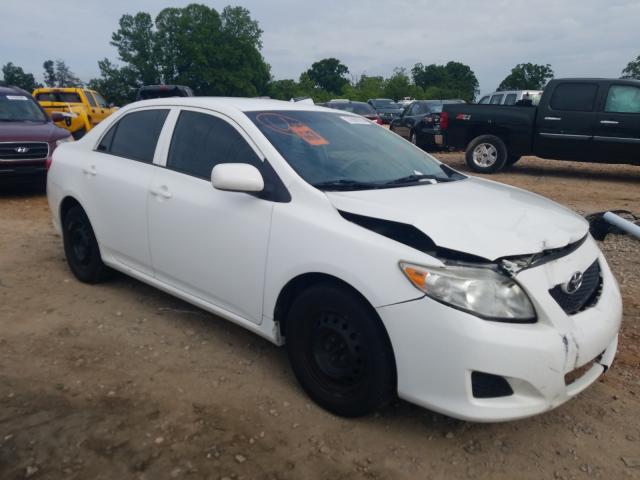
[
  {"x": 240, "y": 104},
  {"x": 9, "y": 89},
  {"x": 60, "y": 89}
]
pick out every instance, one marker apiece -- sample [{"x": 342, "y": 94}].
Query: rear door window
[
  {"x": 484, "y": 100},
  {"x": 135, "y": 135},
  {"x": 496, "y": 99},
  {"x": 510, "y": 99},
  {"x": 623, "y": 99},
  {"x": 100, "y": 99},
  {"x": 201, "y": 141},
  {"x": 574, "y": 97}
]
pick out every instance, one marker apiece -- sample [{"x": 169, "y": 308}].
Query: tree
[
  {"x": 214, "y": 54},
  {"x": 527, "y": 76},
  {"x": 117, "y": 85},
  {"x": 453, "y": 80},
  {"x": 329, "y": 75},
  {"x": 49, "y": 73},
  {"x": 632, "y": 70},
  {"x": 16, "y": 76},
  {"x": 65, "y": 77},
  {"x": 397, "y": 85},
  {"x": 284, "y": 89}
]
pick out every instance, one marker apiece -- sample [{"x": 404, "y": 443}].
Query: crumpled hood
[
  {"x": 30, "y": 132},
  {"x": 474, "y": 216}
]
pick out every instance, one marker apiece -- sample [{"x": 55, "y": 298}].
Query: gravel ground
[{"x": 121, "y": 381}]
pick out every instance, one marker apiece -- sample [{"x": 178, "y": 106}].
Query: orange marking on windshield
[{"x": 291, "y": 126}]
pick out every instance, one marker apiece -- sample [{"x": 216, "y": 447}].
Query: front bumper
[{"x": 437, "y": 347}]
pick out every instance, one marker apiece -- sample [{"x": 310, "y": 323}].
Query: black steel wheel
[
  {"x": 339, "y": 351},
  {"x": 81, "y": 247}
]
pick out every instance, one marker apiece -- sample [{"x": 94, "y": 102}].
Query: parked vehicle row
[
  {"x": 420, "y": 122},
  {"x": 382, "y": 270},
  {"x": 386, "y": 108},
  {"x": 359, "y": 108},
  {"x": 581, "y": 119}
]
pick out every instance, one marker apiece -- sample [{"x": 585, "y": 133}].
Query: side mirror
[
  {"x": 237, "y": 177},
  {"x": 57, "y": 116}
]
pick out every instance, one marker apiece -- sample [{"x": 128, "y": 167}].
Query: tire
[
  {"x": 512, "y": 159},
  {"x": 339, "y": 351},
  {"x": 486, "y": 154},
  {"x": 81, "y": 247}
]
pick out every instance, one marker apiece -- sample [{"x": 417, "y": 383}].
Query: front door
[
  {"x": 209, "y": 243},
  {"x": 617, "y": 133}
]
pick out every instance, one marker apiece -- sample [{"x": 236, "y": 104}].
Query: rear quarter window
[
  {"x": 574, "y": 97},
  {"x": 623, "y": 99}
]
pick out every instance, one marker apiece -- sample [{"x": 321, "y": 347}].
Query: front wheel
[
  {"x": 339, "y": 351},
  {"x": 486, "y": 154}
]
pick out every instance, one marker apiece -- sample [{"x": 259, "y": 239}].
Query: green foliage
[
  {"x": 49, "y": 73},
  {"x": 329, "y": 75},
  {"x": 399, "y": 85},
  {"x": 16, "y": 76},
  {"x": 527, "y": 76},
  {"x": 214, "y": 54},
  {"x": 116, "y": 85},
  {"x": 632, "y": 70},
  {"x": 453, "y": 80}
]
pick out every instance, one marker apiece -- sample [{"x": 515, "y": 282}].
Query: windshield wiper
[
  {"x": 344, "y": 184},
  {"x": 413, "y": 178}
]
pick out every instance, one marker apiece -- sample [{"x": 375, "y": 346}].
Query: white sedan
[{"x": 385, "y": 272}]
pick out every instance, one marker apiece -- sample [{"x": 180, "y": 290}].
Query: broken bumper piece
[{"x": 473, "y": 369}]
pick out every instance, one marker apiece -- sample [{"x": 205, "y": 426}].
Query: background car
[
  {"x": 386, "y": 108},
  {"x": 82, "y": 109},
  {"x": 420, "y": 122},
  {"x": 163, "y": 91},
  {"x": 28, "y": 137},
  {"x": 359, "y": 108},
  {"x": 511, "y": 97}
]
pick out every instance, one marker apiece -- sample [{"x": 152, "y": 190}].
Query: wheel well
[
  {"x": 66, "y": 205},
  {"x": 302, "y": 282},
  {"x": 502, "y": 134}
]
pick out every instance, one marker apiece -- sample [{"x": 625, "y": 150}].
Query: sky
[{"x": 372, "y": 37}]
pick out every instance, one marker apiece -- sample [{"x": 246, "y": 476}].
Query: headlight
[
  {"x": 64, "y": 140},
  {"x": 480, "y": 291}
]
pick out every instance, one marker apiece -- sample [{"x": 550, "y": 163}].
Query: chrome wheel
[{"x": 485, "y": 155}]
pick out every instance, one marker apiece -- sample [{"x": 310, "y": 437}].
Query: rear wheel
[
  {"x": 486, "y": 154},
  {"x": 81, "y": 247},
  {"x": 339, "y": 351}
]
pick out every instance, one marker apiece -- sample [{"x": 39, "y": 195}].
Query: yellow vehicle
[{"x": 82, "y": 108}]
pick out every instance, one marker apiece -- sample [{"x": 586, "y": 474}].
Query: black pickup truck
[{"x": 586, "y": 119}]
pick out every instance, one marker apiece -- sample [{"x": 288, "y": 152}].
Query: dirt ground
[{"x": 121, "y": 381}]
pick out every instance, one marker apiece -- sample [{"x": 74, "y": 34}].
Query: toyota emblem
[
  {"x": 574, "y": 284},
  {"x": 21, "y": 149}
]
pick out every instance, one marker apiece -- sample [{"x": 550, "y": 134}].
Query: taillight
[
  {"x": 379, "y": 121},
  {"x": 444, "y": 120}
]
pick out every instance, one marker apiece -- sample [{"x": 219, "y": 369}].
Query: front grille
[
  {"x": 586, "y": 296},
  {"x": 12, "y": 151}
]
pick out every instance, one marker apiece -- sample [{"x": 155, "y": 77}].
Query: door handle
[
  {"x": 163, "y": 192},
  {"x": 553, "y": 118},
  {"x": 609, "y": 122},
  {"x": 91, "y": 170}
]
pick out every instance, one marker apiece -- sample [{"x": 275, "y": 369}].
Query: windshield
[
  {"x": 19, "y": 108},
  {"x": 345, "y": 152}
]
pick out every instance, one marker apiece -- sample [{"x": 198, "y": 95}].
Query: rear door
[
  {"x": 617, "y": 132},
  {"x": 119, "y": 173},
  {"x": 94, "y": 111},
  {"x": 565, "y": 124}
]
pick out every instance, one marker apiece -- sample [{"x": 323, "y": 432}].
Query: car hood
[
  {"x": 30, "y": 132},
  {"x": 475, "y": 216}
]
